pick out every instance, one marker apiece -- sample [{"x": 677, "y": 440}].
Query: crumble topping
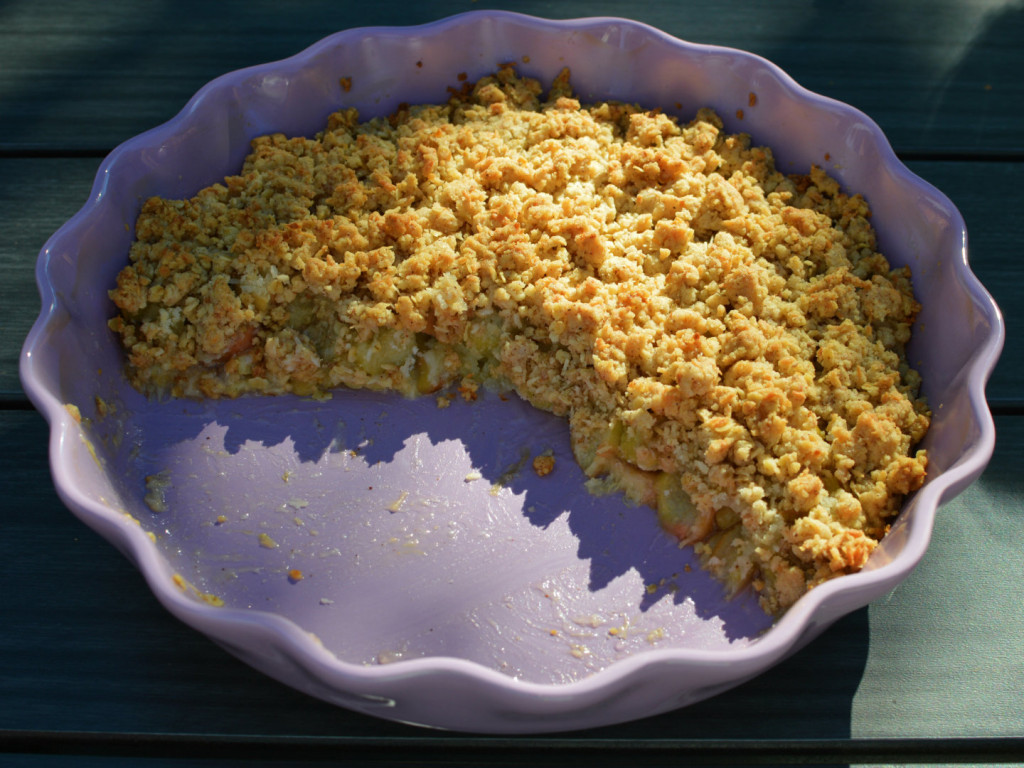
[{"x": 725, "y": 341}]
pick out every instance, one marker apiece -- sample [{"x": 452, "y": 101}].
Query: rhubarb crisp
[{"x": 725, "y": 341}]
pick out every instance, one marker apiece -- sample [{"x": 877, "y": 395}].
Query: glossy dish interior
[{"x": 390, "y": 557}]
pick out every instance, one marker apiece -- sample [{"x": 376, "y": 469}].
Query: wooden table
[{"x": 92, "y": 668}]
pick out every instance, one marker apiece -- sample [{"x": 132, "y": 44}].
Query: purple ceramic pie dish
[{"x": 385, "y": 555}]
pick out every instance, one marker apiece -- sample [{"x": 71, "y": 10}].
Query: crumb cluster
[{"x": 725, "y": 341}]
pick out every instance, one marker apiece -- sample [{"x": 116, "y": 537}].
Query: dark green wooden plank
[
  {"x": 106, "y": 761},
  {"x": 547, "y": 753},
  {"x": 991, "y": 200},
  {"x": 36, "y": 197},
  {"x": 40, "y": 194},
  {"x": 946, "y": 644},
  {"x": 84, "y": 646},
  {"x": 938, "y": 76}
]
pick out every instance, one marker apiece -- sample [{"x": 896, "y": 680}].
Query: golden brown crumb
[
  {"x": 468, "y": 389},
  {"x": 157, "y": 486},
  {"x": 725, "y": 341},
  {"x": 346, "y": 84},
  {"x": 544, "y": 464},
  {"x": 295, "y": 575}
]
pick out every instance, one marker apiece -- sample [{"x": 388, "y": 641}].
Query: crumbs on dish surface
[
  {"x": 725, "y": 341},
  {"x": 544, "y": 464}
]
